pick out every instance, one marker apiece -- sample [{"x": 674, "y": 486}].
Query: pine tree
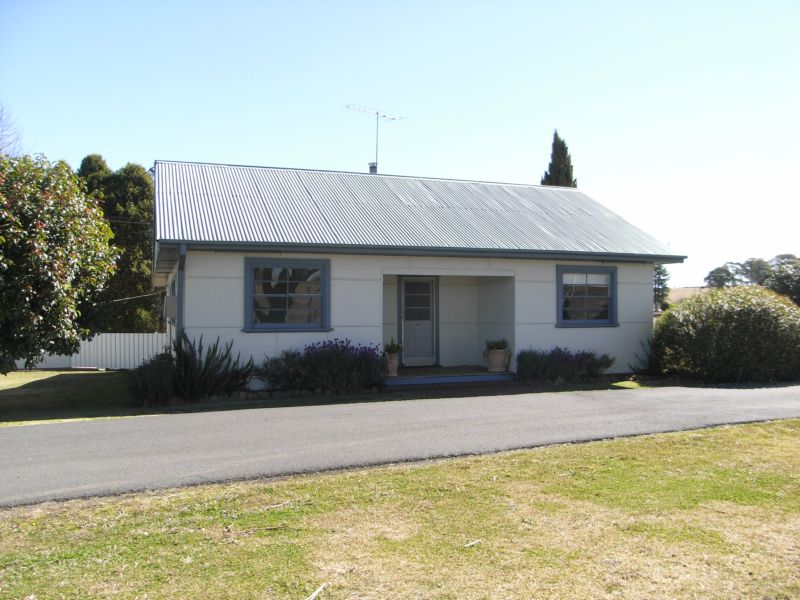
[
  {"x": 559, "y": 172},
  {"x": 660, "y": 287}
]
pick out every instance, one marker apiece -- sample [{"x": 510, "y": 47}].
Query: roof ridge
[{"x": 297, "y": 169}]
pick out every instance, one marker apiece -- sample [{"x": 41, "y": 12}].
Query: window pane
[
  {"x": 307, "y": 287},
  {"x": 417, "y": 314},
  {"x": 305, "y": 309},
  {"x": 303, "y": 274},
  {"x": 573, "y": 314},
  {"x": 270, "y": 274},
  {"x": 574, "y": 309},
  {"x": 269, "y": 316},
  {"x": 270, "y": 302},
  {"x": 574, "y": 290},
  {"x": 573, "y": 278},
  {"x": 598, "y": 290},
  {"x": 597, "y": 309},
  {"x": 418, "y": 300},
  {"x": 417, "y": 287},
  {"x": 266, "y": 286},
  {"x": 598, "y": 278}
]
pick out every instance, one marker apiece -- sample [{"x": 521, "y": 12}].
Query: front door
[{"x": 418, "y": 319}]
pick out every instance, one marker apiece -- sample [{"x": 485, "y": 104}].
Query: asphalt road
[{"x": 78, "y": 459}]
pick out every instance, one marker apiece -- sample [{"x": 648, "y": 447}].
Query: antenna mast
[{"x": 378, "y": 116}]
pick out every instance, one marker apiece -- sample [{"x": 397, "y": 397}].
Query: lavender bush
[
  {"x": 561, "y": 364},
  {"x": 334, "y": 365}
]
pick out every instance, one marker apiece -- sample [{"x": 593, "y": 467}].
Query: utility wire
[
  {"x": 132, "y": 297},
  {"x": 133, "y": 222}
]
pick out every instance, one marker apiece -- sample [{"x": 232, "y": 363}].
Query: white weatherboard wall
[{"x": 479, "y": 299}]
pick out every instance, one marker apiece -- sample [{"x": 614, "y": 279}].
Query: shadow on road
[{"x": 49, "y": 396}]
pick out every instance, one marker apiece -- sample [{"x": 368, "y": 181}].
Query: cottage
[{"x": 275, "y": 259}]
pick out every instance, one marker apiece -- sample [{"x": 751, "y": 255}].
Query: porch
[
  {"x": 446, "y": 376},
  {"x": 444, "y": 321}
]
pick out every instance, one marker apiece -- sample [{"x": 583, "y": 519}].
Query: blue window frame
[
  {"x": 586, "y": 296},
  {"x": 283, "y": 294}
]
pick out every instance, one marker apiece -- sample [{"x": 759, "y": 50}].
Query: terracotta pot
[
  {"x": 392, "y": 364},
  {"x": 498, "y": 360}
]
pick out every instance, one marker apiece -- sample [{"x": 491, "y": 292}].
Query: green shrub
[
  {"x": 334, "y": 365},
  {"x": 152, "y": 383},
  {"x": 201, "y": 373},
  {"x": 561, "y": 364},
  {"x": 189, "y": 374},
  {"x": 501, "y": 344},
  {"x": 286, "y": 371},
  {"x": 731, "y": 335}
]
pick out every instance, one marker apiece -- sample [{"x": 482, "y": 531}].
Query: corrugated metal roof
[{"x": 227, "y": 204}]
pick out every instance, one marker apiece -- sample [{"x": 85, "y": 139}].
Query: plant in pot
[
  {"x": 497, "y": 355},
  {"x": 392, "y": 351}
]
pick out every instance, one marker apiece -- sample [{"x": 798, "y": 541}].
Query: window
[
  {"x": 587, "y": 296},
  {"x": 286, "y": 294}
]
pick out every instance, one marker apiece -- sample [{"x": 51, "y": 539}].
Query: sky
[{"x": 683, "y": 117}]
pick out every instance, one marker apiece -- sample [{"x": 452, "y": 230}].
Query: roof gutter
[{"x": 421, "y": 251}]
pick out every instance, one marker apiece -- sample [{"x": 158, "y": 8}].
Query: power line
[
  {"x": 132, "y": 297},
  {"x": 132, "y": 222}
]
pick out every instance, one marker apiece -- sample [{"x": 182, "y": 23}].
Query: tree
[
  {"x": 559, "y": 172},
  {"x": 9, "y": 135},
  {"x": 127, "y": 198},
  {"x": 94, "y": 171},
  {"x": 721, "y": 277},
  {"x": 753, "y": 271},
  {"x": 55, "y": 253},
  {"x": 660, "y": 288},
  {"x": 782, "y": 258},
  {"x": 785, "y": 280}
]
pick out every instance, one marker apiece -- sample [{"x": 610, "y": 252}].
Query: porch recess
[{"x": 445, "y": 320}]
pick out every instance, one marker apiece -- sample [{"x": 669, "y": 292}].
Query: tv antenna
[{"x": 373, "y": 167}]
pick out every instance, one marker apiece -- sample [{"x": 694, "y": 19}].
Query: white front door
[{"x": 418, "y": 318}]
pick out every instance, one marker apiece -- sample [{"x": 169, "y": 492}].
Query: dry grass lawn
[{"x": 704, "y": 514}]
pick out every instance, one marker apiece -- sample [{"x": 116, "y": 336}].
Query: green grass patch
[
  {"x": 671, "y": 515},
  {"x": 54, "y": 395},
  {"x": 710, "y": 539}
]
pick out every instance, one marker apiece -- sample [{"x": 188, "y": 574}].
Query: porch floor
[{"x": 446, "y": 375}]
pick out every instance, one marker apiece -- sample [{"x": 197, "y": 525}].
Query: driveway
[{"x": 71, "y": 460}]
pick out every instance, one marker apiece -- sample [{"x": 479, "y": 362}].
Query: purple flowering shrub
[
  {"x": 335, "y": 365},
  {"x": 560, "y": 363}
]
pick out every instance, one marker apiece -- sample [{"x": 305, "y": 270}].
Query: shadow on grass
[{"x": 41, "y": 396}]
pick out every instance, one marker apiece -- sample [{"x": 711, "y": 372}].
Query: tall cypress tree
[
  {"x": 127, "y": 200},
  {"x": 559, "y": 172}
]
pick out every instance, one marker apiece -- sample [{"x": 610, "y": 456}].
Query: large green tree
[
  {"x": 559, "y": 172},
  {"x": 785, "y": 279},
  {"x": 721, "y": 277},
  {"x": 128, "y": 304},
  {"x": 55, "y": 253},
  {"x": 781, "y": 274},
  {"x": 94, "y": 171}
]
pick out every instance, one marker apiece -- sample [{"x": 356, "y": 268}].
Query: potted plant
[
  {"x": 497, "y": 355},
  {"x": 392, "y": 351}
]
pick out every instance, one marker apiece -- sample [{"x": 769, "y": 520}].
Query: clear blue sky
[{"x": 684, "y": 117}]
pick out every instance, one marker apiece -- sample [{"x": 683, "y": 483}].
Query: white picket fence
[{"x": 109, "y": 351}]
